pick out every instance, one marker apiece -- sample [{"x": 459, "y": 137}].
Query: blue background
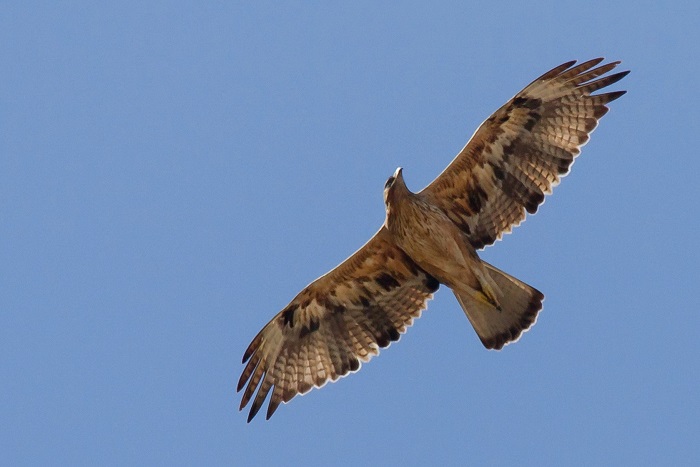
[{"x": 173, "y": 173}]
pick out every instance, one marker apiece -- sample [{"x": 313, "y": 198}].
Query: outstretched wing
[
  {"x": 334, "y": 324},
  {"x": 520, "y": 153}
]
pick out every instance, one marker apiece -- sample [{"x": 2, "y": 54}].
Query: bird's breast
[{"x": 431, "y": 239}]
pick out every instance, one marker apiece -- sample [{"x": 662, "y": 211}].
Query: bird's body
[
  {"x": 431, "y": 237},
  {"x": 499, "y": 306},
  {"x": 435, "y": 243}
]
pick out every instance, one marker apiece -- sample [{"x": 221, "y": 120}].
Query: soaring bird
[{"x": 431, "y": 238}]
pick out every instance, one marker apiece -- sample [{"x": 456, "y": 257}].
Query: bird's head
[{"x": 392, "y": 184}]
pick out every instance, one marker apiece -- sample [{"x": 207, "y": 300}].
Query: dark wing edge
[
  {"x": 521, "y": 152},
  {"x": 337, "y": 322}
]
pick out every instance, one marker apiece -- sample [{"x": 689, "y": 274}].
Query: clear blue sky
[{"x": 172, "y": 174}]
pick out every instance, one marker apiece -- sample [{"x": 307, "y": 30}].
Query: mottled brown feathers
[
  {"x": 513, "y": 160},
  {"x": 521, "y": 152},
  {"x": 321, "y": 336}
]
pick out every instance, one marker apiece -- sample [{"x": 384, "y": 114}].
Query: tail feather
[{"x": 520, "y": 304}]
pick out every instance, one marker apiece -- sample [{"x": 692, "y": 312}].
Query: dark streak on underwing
[
  {"x": 387, "y": 281},
  {"x": 336, "y": 308},
  {"x": 492, "y": 137},
  {"x": 526, "y": 102},
  {"x": 498, "y": 172},
  {"x": 509, "y": 150},
  {"x": 477, "y": 196},
  {"x": 521, "y": 193},
  {"x": 288, "y": 314},
  {"x": 312, "y": 327},
  {"x": 464, "y": 226},
  {"x": 532, "y": 121}
]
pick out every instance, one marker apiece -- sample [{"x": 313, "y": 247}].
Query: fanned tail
[{"x": 520, "y": 304}]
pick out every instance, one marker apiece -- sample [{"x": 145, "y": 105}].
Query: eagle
[{"x": 430, "y": 238}]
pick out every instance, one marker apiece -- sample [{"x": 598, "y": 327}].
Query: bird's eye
[{"x": 389, "y": 182}]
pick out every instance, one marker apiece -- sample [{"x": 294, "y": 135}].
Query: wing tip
[
  {"x": 254, "y": 345},
  {"x": 567, "y": 65},
  {"x": 614, "y": 78},
  {"x": 556, "y": 71},
  {"x": 615, "y": 95},
  {"x": 272, "y": 407},
  {"x": 257, "y": 404}
]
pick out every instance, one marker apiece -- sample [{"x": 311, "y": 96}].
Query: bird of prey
[{"x": 430, "y": 238}]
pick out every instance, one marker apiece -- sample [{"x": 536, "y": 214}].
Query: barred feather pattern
[
  {"x": 335, "y": 324},
  {"x": 522, "y": 151}
]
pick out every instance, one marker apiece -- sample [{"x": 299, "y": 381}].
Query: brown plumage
[{"x": 430, "y": 238}]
